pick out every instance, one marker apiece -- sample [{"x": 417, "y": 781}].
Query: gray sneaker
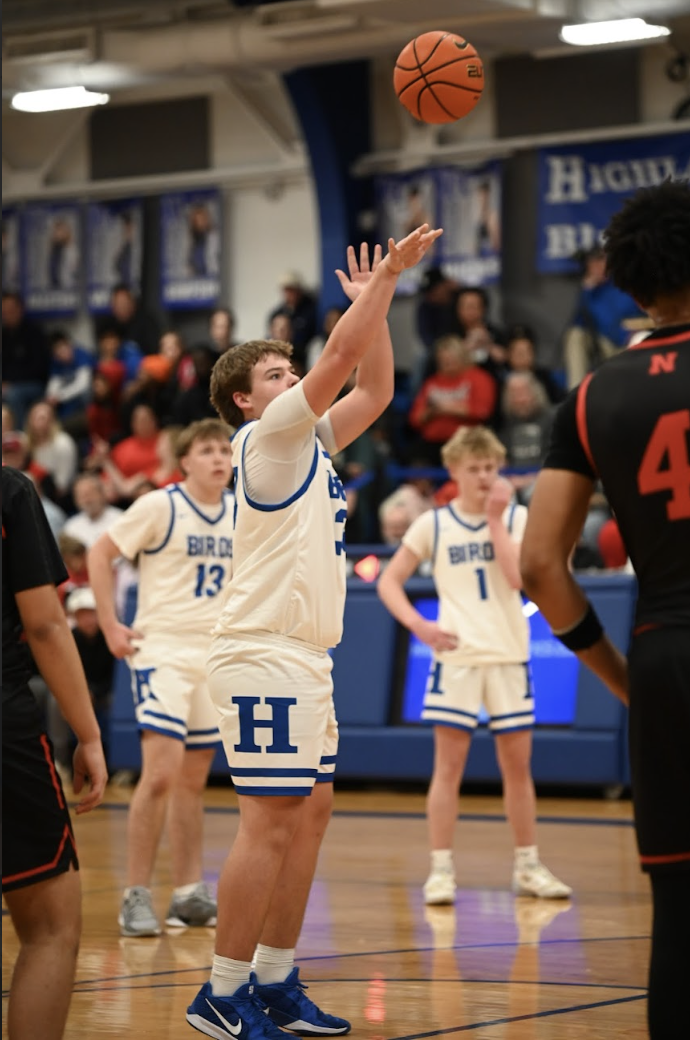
[
  {"x": 137, "y": 916},
  {"x": 197, "y": 910}
]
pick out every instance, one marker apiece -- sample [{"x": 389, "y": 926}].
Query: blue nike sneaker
[
  {"x": 241, "y": 1016},
  {"x": 290, "y": 1007}
]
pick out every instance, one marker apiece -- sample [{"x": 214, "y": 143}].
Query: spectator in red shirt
[{"x": 458, "y": 394}]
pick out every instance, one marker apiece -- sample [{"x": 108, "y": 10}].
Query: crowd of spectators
[{"x": 95, "y": 425}]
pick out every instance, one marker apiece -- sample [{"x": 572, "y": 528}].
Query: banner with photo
[
  {"x": 114, "y": 243},
  {"x": 404, "y": 201},
  {"x": 11, "y": 250},
  {"x": 190, "y": 248},
  {"x": 582, "y": 186},
  {"x": 52, "y": 258},
  {"x": 469, "y": 211},
  {"x": 465, "y": 202}
]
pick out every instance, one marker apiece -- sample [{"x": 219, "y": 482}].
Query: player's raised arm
[{"x": 357, "y": 329}]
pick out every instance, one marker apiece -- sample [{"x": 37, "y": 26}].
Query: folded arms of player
[{"x": 558, "y": 508}]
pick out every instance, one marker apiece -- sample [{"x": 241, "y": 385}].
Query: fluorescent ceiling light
[
  {"x": 57, "y": 99},
  {"x": 622, "y": 30}
]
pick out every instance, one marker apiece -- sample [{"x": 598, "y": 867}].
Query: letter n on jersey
[
  {"x": 659, "y": 363},
  {"x": 279, "y": 724}
]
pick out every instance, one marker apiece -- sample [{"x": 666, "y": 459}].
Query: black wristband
[{"x": 584, "y": 634}]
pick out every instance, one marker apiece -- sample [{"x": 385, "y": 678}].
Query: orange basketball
[{"x": 439, "y": 77}]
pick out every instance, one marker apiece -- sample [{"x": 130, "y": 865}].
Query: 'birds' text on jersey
[
  {"x": 184, "y": 554},
  {"x": 476, "y": 601}
]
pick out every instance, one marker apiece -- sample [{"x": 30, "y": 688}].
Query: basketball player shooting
[{"x": 269, "y": 667}]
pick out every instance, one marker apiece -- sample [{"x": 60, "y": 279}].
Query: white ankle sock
[
  {"x": 228, "y": 975},
  {"x": 186, "y": 890},
  {"x": 272, "y": 964},
  {"x": 442, "y": 861},
  {"x": 526, "y": 856}
]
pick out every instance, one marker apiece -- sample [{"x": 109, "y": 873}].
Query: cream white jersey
[
  {"x": 476, "y": 602},
  {"x": 290, "y": 510},
  {"x": 184, "y": 553}
]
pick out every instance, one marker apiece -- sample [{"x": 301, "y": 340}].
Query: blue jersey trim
[
  {"x": 160, "y": 729},
  {"x": 511, "y": 729},
  {"x": 511, "y": 715},
  {"x": 264, "y": 508},
  {"x": 165, "y": 718},
  {"x": 449, "y": 724},
  {"x": 452, "y": 711},
  {"x": 151, "y": 552},
  {"x": 308, "y": 774},
  {"x": 469, "y": 527},
  {"x": 328, "y": 760},
  {"x": 208, "y": 519},
  {"x": 241, "y": 427},
  {"x": 434, "y": 549},
  {"x": 325, "y": 778},
  {"x": 285, "y": 792},
  {"x": 204, "y": 745},
  {"x": 204, "y": 732},
  {"x": 511, "y": 517}
]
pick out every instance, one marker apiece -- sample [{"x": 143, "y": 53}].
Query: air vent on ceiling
[{"x": 68, "y": 45}]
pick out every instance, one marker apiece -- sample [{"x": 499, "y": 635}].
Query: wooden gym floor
[{"x": 495, "y": 967}]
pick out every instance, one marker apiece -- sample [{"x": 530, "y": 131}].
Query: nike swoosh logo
[
  {"x": 235, "y": 1030},
  {"x": 461, "y": 46}
]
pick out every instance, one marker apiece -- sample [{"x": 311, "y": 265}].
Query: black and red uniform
[
  {"x": 628, "y": 424},
  {"x": 37, "y": 834}
]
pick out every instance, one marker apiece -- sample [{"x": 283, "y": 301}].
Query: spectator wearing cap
[
  {"x": 597, "y": 330},
  {"x": 300, "y": 307}
]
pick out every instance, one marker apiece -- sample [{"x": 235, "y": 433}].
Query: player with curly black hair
[{"x": 628, "y": 424}]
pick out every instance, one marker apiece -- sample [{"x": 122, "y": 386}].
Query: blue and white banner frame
[
  {"x": 52, "y": 258},
  {"x": 404, "y": 201},
  {"x": 190, "y": 248},
  {"x": 114, "y": 242},
  {"x": 469, "y": 211},
  {"x": 582, "y": 186}
]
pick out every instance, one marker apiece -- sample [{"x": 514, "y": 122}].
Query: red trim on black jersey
[
  {"x": 676, "y": 857},
  {"x": 66, "y": 836},
  {"x": 53, "y": 775},
  {"x": 581, "y": 418},
  {"x": 662, "y": 341}
]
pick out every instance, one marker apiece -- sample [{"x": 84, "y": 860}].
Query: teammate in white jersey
[
  {"x": 269, "y": 667},
  {"x": 481, "y": 651},
  {"x": 181, "y": 536}
]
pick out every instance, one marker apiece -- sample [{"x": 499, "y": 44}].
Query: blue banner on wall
[
  {"x": 114, "y": 242},
  {"x": 11, "y": 250},
  {"x": 582, "y": 186},
  {"x": 466, "y": 203},
  {"x": 52, "y": 258},
  {"x": 190, "y": 248}
]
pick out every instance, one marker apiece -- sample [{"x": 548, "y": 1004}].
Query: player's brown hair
[
  {"x": 472, "y": 440},
  {"x": 233, "y": 371},
  {"x": 203, "y": 430}
]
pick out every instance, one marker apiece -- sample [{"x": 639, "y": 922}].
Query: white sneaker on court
[
  {"x": 537, "y": 880},
  {"x": 439, "y": 888}
]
